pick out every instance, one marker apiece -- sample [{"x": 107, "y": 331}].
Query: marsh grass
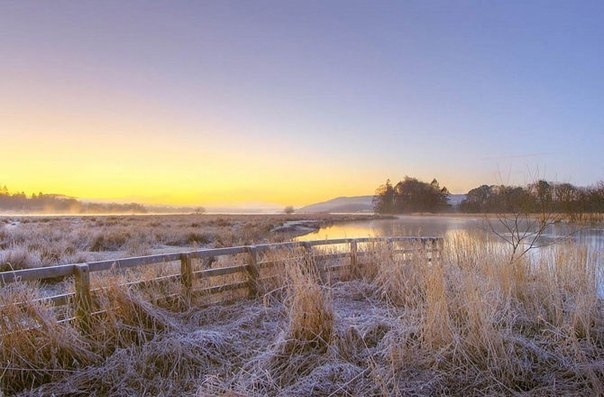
[
  {"x": 465, "y": 323},
  {"x": 310, "y": 309},
  {"x": 35, "y": 348},
  {"x": 34, "y": 241}
]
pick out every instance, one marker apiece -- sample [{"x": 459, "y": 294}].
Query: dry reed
[{"x": 466, "y": 323}]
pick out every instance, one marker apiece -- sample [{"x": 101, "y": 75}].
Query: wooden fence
[{"x": 329, "y": 257}]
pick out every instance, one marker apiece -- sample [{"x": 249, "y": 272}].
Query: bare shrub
[
  {"x": 109, "y": 240},
  {"x": 138, "y": 245},
  {"x": 17, "y": 258},
  {"x": 198, "y": 238}
]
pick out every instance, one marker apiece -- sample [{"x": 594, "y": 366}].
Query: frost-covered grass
[
  {"x": 33, "y": 241},
  {"x": 467, "y": 324}
]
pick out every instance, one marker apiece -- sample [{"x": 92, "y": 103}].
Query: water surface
[{"x": 447, "y": 226}]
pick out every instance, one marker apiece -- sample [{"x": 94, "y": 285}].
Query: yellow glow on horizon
[
  {"x": 112, "y": 157},
  {"x": 102, "y": 161}
]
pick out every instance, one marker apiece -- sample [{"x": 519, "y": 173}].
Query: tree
[
  {"x": 478, "y": 199},
  {"x": 523, "y": 216},
  {"x": 410, "y": 195},
  {"x": 383, "y": 201},
  {"x": 567, "y": 197},
  {"x": 289, "y": 209}
]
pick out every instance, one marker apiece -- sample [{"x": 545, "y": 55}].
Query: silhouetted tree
[
  {"x": 479, "y": 199},
  {"x": 58, "y": 203},
  {"x": 384, "y": 199},
  {"x": 410, "y": 195}
]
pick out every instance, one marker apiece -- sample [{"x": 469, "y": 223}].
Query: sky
[{"x": 294, "y": 102}]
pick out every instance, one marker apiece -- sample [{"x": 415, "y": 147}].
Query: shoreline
[{"x": 32, "y": 241}]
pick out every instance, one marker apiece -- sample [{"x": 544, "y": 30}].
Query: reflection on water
[
  {"x": 447, "y": 226},
  {"x": 408, "y": 225}
]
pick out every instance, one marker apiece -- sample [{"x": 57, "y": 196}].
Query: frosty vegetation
[{"x": 467, "y": 323}]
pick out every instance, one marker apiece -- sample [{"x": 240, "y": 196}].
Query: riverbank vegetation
[
  {"x": 410, "y": 195},
  {"x": 465, "y": 323},
  {"x": 571, "y": 201},
  {"x": 34, "y": 241},
  {"x": 57, "y": 203}
]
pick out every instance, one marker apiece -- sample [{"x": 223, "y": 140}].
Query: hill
[
  {"x": 341, "y": 204},
  {"x": 357, "y": 204}
]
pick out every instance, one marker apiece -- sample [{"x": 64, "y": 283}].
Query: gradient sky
[{"x": 292, "y": 102}]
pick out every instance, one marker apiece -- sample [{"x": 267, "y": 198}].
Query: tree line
[
  {"x": 56, "y": 203},
  {"x": 540, "y": 196},
  {"x": 411, "y": 195}
]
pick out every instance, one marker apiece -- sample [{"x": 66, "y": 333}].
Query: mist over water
[{"x": 406, "y": 225}]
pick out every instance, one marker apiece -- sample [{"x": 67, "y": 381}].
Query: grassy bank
[
  {"x": 34, "y": 241},
  {"x": 470, "y": 323}
]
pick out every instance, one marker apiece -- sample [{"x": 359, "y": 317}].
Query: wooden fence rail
[{"x": 82, "y": 299}]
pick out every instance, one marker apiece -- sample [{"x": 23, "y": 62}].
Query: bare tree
[
  {"x": 523, "y": 216},
  {"x": 522, "y": 230}
]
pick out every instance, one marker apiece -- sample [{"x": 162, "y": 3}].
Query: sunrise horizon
[{"x": 216, "y": 103}]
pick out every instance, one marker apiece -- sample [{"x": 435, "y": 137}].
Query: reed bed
[
  {"x": 34, "y": 241},
  {"x": 466, "y": 323}
]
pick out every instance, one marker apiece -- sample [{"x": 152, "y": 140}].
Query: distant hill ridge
[
  {"x": 341, "y": 204},
  {"x": 357, "y": 204}
]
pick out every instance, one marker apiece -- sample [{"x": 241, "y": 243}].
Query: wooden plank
[
  {"x": 83, "y": 301},
  {"x": 339, "y": 255},
  {"x": 39, "y": 273},
  {"x": 337, "y": 267},
  {"x": 68, "y": 270},
  {"x": 354, "y": 259},
  {"x": 126, "y": 263},
  {"x": 329, "y": 242},
  {"x": 264, "y": 266},
  {"x": 252, "y": 270},
  {"x": 218, "y": 252},
  {"x": 209, "y": 292},
  {"x": 186, "y": 278},
  {"x": 407, "y": 250},
  {"x": 221, "y": 288},
  {"x": 55, "y": 300},
  {"x": 221, "y": 271},
  {"x": 276, "y": 246},
  {"x": 173, "y": 278},
  {"x": 60, "y": 300}
]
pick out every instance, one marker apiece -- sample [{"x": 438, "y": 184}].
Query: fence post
[
  {"x": 436, "y": 248},
  {"x": 426, "y": 248},
  {"x": 83, "y": 299},
  {"x": 252, "y": 270},
  {"x": 353, "y": 259},
  {"x": 390, "y": 249},
  {"x": 186, "y": 278}
]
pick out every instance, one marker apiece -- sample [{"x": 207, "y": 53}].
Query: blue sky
[{"x": 196, "y": 102}]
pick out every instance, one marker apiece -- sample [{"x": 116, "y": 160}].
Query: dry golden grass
[
  {"x": 33, "y": 241},
  {"x": 310, "y": 309},
  {"x": 34, "y": 347},
  {"x": 466, "y": 323}
]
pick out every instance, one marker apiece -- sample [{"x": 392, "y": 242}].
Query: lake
[{"x": 446, "y": 226}]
